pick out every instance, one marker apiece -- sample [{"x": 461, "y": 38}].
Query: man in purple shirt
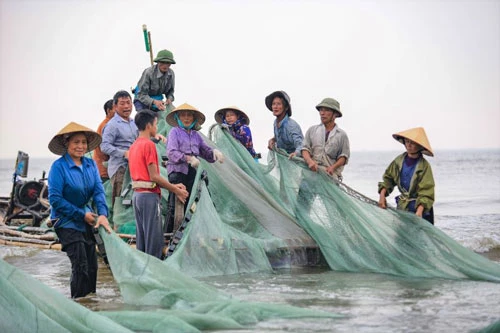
[{"x": 184, "y": 146}]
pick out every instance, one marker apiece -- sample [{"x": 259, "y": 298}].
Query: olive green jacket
[{"x": 421, "y": 185}]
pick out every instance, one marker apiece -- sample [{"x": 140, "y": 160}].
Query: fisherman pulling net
[
  {"x": 247, "y": 217},
  {"x": 253, "y": 217}
]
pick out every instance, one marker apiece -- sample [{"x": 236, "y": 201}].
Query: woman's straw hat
[
  {"x": 58, "y": 143},
  {"x": 220, "y": 114},
  {"x": 185, "y": 107},
  {"x": 416, "y": 135}
]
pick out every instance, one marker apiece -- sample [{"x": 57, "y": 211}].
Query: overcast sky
[{"x": 392, "y": 65}]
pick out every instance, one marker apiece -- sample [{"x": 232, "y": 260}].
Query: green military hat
[
  {"x": 330, "y": 103},
  {"x": 165, "y": 56}
]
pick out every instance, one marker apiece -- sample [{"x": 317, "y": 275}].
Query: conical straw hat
[
  {"x": 220, "y": 114},
  {"x": 185, "y": 107},
  {"x": 416, "y": 135},
  {"x": 58, "y": 143}
]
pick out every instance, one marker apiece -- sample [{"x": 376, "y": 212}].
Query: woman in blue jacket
[{"x": 75, "y": 186}]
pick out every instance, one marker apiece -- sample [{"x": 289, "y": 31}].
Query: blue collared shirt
[
  {"x": 117, "y": 137},
  {"x": 70, "y": 189},
  {"x": 289, "y": 135}
]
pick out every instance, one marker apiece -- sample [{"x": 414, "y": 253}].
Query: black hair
[
  {"x": 143, "y": 118},
  {"x": 108, "y": 106},
  {"x": 121, "y": 94}
]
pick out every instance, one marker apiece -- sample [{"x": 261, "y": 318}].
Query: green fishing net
[
  {"x": 27, "y": 305},
  {"x": 249, "y": 217},
  {"x": 246, "y": 217},
  {"x": 353, "y": 233}
]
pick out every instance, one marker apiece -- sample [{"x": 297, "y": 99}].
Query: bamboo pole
[
  {"x": 49, "y": 237},
  {"x": 54, "y": 246},
  {"x": 150, "y": 48},
  {"x": 26, "y": 229},
  {"x": 26, "y": 240}
]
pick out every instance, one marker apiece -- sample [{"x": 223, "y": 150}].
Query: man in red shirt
[
  {"x": 98, "y": 156},
  {"x": 146, "y": 183}
]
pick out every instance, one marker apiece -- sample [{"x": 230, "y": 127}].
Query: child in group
[
  {"x": 184, "y": 146},
  {"x": 236, "y": 121},
  {"x": 412, "y": 174},
  {"x": 146, "y": 183}
]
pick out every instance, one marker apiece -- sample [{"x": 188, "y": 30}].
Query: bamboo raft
[
  {"x": 44, "y": 238},
  {"x": 28, "y": 236}
]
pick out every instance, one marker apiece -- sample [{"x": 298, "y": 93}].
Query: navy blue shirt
[{"x": 407, "y": 171}]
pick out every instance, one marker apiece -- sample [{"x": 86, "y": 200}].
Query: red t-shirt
[{"x": 141, "y": 154}]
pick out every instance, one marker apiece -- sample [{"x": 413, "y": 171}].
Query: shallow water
[
  {"x": 370, "y": 302},
  {"x": 467, "y": 209}
]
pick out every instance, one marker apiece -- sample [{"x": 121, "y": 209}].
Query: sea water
[{"x": 467, "y": 208}]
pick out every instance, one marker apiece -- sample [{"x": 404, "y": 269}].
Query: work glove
[
  {"x": 218, "y": 156},
  {"x": 194, "y": 162}
]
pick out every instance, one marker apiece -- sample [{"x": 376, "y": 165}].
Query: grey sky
[{"x": 392, "y": 65}]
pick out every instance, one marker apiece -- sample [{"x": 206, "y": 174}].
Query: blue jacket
[
  {"x": 289, "y": 135},
  {"x": 71, "y": 188}
]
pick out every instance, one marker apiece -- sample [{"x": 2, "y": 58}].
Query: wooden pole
[
  {"x": 55, "y": 246},
  {"x": 150, "y": 48},
  {"x": 179, "y": 214},
  {"x": 46, "y": 237}
]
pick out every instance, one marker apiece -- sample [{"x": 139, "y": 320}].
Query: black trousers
[
  {"x": 176, "y": 178},
  {"x": 81, "y": 251}
]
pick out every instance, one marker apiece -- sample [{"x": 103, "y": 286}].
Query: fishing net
[
  {"x": 27, "y": 305},
  {"x": 172, "y": 301},
  {"x": 244, "y": 217},
  {"x": 249, "y": 217}
]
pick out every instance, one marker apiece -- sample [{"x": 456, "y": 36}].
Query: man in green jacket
[
  {"x": 156, "y": 81},
  {"x": 412, "y": 174}
]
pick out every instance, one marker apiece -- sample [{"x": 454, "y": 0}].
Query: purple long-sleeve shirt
[{"x": 180, "y": 144}]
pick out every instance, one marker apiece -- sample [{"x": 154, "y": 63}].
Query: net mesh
[
  {"x": 27, "y": 305},
  {"x": 253, "y": 217},
  {"x": 244, "y": 217}
]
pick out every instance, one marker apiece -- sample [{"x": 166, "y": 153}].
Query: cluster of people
[{"x": 76, "y": 193}]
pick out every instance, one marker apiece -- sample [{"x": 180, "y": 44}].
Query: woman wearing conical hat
[
  {"x": 412, "y": 174},
  {"x": 74, "y": 182},
  {"x": 184, "y": 146},
  {"x": 236, "y": 121}
]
